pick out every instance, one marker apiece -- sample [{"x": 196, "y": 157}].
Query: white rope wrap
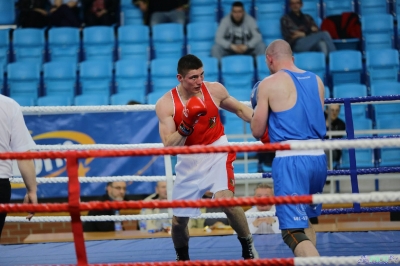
[
  {"x": 316, "y": 199},
  {"x": 349, "y": 260},
  {"x": 120, "y": 218},
  {"x": 34, "y": 110},
  {"x": 297, "y": 145}
]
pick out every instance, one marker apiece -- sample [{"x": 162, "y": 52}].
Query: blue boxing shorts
[{"x": 298, "y": 173}]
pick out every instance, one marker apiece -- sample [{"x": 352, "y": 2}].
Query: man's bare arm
[
  {"x": 168, "y": 133},
  {"x": 259, "y": 121},
  {"x": 321, "y": 90},
  {"x": 27, "y": 169}
]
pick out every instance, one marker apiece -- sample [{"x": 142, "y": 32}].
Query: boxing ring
[{"x": 335, "y": 248}]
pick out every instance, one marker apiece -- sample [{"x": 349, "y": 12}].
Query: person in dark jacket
[
  {"x": 100, "y": 12},
  {"x": 115, "y": 192},
  {"x": 161, "y": 11},
  {"x": 334, "y": 123},
  {"x": 32, "y": 13}
]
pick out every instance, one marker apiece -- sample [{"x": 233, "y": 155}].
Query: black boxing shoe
[
  {"x": 182, "y": 253},
  {"x": 248, "y": 250}
]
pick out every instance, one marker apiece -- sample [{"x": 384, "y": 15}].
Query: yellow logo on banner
[{"x": 68, "y": 135}]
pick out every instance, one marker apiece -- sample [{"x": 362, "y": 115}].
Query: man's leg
[
  {"x": 299, "y": 242},
  {"x": 238, "y": 221},
  {"x": 180, "y": 237},
  {"x": 218, "y": 52}
]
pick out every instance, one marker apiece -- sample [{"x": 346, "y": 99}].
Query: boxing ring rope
[{"x": 74, "y": 206}]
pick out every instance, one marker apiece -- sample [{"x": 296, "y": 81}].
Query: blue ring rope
[
  {"x": 361, "y": 210},
  {"x": 364, "y": 99}
]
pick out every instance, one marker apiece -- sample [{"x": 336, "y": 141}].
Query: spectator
[
  {"x": 214, "y": 222},
  {"x": 133, "y": 102},
  {"x": 100, "y": 12},
  {"x": 238, "y": 34},
  {"x": 334, "y": 123},
  {"x": 302, "y": 33},
  {"x": 263, "y": 225},
  {"x": 115, "y": 192},
  {"x": 64, "y": 13},
  {"x": 33, "y": 13},
  {"x": 161, "y": 11},
  {"x": 160, "y": 194}
]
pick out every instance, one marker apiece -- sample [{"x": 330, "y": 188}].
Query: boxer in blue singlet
[{"x": 289, "y": 104}]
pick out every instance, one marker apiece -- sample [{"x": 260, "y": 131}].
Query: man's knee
[
  {"x": 293, "y": 237},
  {"x": 180, "y": 221}
]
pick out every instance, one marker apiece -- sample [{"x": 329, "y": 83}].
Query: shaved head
[{"x": 279, "y": 49}]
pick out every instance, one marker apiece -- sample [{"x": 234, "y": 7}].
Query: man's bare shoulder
[
  {"x": 214, "y": 86},
  {"x": 164, "y": 105}
]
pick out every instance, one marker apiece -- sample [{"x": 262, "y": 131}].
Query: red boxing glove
[
  {"x": 195, "y": 107},
  {"x": 265, "y": 138}
]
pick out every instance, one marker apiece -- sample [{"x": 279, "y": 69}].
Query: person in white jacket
[{"x": 263, "y": 225}]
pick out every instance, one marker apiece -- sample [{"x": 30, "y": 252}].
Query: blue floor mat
[{"x": 201, "y": 248}]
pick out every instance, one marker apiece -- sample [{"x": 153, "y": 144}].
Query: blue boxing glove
[{"x": 253, "y": 96}]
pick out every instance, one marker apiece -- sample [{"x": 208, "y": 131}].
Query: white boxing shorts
[{"x": 197, "y": 173}]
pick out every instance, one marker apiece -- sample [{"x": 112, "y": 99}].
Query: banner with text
[{"x": 94, "y": 128}]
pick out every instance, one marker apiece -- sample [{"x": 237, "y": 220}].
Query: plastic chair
[
  {"x": 262, "y": 69},
  {"x": 7, "y": 12},
  {"x": 153, "y": 97},
  {"x": 54, "y": 100},
  {"x": 334, "y": 7},
  {"x": 59, "y": 78},
  {"x": 237, "y": 71},
  {"x": 132, "y": 16},
  {"x": 383, "y": 111},
  {"x": 4, "y": 47},
  {"x": 377, "y": 31},
  {"x": 327, "y": 92},
  {"x": 312, "y": 61},
  {"x": 23, "y": 79},
  {"x": 211, "y": 70},
  {"x": 98, "y": 43},
  {"x": 312, "y": 8},
  {"x": 131, "y": 76},
  {"x": 367, "y": 7},
  {"x": 64, "y": 44},
  {"x": 134, "y": 42},
  {"x": 203, "y": 13},
  {"x": 168, "y": 40},
  {"x": 226, "y": 6},
  {"x": 364, "y": 158},
  {"x": 269, "y": 10},
  {"x": 163, "y": 74},
  {"x": 123, "y": 98},
  {"x": 24, "y": 100},
  {"x": 349, "y": 91},
  {"x": 382, "y": 65},
  {"x": 28, "y": 45},
  {"x": 200, "y": 37},
  {"x": 385, "y": 88},
  {"x": 389, "y": 157},
  {"x": 95, "y": 77},
  {"x": 270, "y": 29},
  {"x": 91, "y": 99},
  {"x": 345, "y": 67}
]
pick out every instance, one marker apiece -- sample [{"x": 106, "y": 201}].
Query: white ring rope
[
  {"x": 34, "y": 110},
  {"x": 349, "y": 260},
  {"x": 316, "y": 199},
  {"x": 296, "y": 145},
  {"x": 102, "y": 179},
  {"x": 120, "y": 218}
]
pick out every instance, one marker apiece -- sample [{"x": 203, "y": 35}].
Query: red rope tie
[
  {"x": 109, "y": 205},
  {"x": 142, "y": 152}
]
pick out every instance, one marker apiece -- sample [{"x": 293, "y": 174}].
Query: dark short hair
[
  {"x": 237, "y": 4},
  {"x": 263, "y": 185},
  {"x": 188, "y": 62}
]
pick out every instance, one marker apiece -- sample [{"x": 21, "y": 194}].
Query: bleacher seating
[
  {"x": 123, "y": 98},
  {"x": 345, "y": 66},
  {"x": 377, "y": 31},
  {"x": 64, "y": 44},
  {"x": 168, "y": 40},
  {"x": 262, "y": 69},
  {"x": 211, "y": 70},
  {"x": 95, "y": 77},
  {"x": 29, "y": 45},
  {"x": 7, "y": 12},
  {"x": 226, "y": 6},
  {"x": 163, "y": 74},
  {"x": 54, "y": 100},
  {"x": 92, "y": 99},
  {"x": 23, "y": 79},
  {"x": 98, "y": 43},
  {"x": 4, "y": 47},
  {"x": 134, "y": 42},
  {"x": 382, "y": 65},
  {"x": 385, "y": 88},
  {"x": 367, "y": 7},
  {"x": 59, "y": 78},
  {"x": 270, "y": 30},
  {"x": 131, "y": 76},
  {"x": 200, "y": 38},
  {"x": 203, "y": 11},
  {"x": 237, "y": 72},
  {"x": 269, "y": 10},
  {"x": 335, "y": 7}
]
